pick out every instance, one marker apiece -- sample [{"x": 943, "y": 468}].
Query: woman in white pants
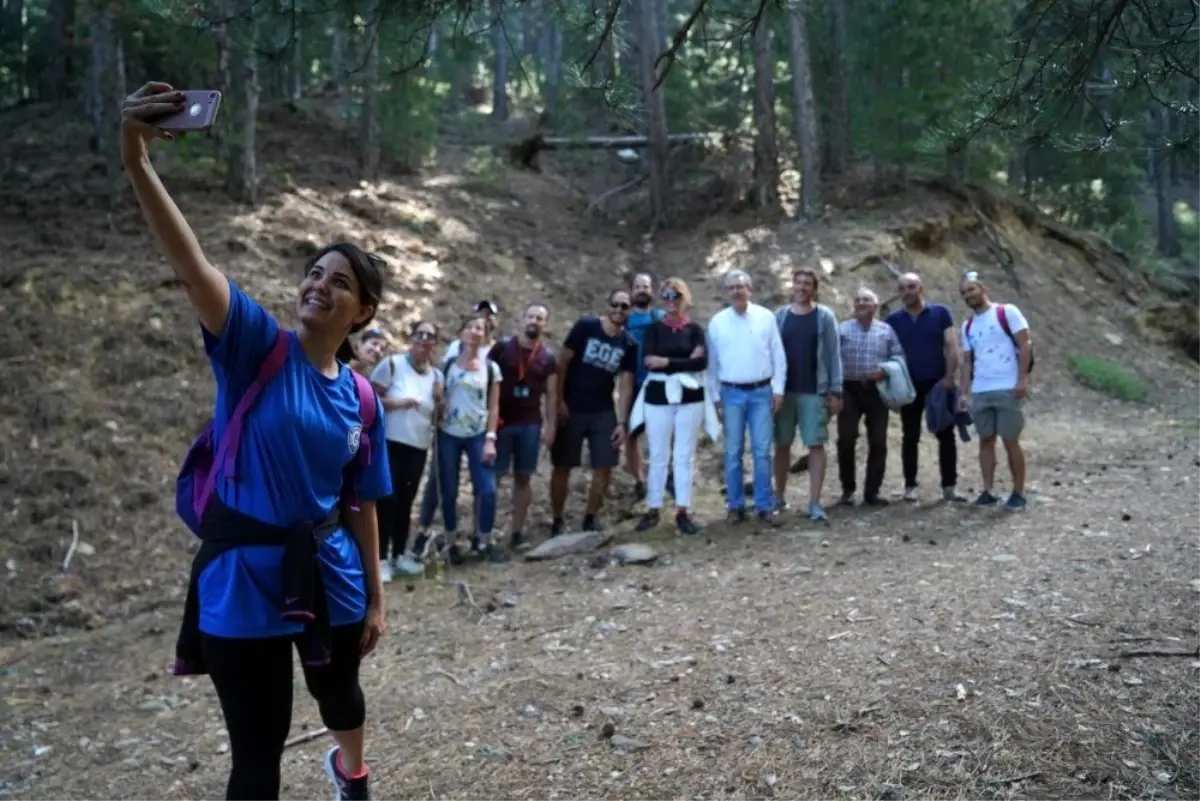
[{"x": 672, "y": 403}]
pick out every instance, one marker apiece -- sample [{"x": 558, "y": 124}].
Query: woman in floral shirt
[{"x": 469, "y": 422}]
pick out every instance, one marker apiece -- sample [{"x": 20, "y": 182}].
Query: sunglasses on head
[
  {"x": 670, "y": 294},
  {"x": 971, "y": 275},
  {"x": 619, "y": 304}
]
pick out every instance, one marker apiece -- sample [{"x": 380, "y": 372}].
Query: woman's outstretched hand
[{"x": 153, "y": 100}]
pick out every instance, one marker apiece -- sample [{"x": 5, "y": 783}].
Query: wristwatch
[{"x": 491, "y": 436}]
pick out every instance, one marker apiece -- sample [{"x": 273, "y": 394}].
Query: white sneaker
[
  {"x": 405, "y": 565},
  {"x": 910, "y": 494},
  {"x": 385, "y": 571}
]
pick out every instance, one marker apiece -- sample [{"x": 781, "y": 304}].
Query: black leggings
[
  {"x": 395, "y": 512},
  {"x": 253, "y": 679}
]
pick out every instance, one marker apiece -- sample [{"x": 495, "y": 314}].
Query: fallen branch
[
  {"x": 307, "y": 737},
  {"x": 633, "y": 142},
  {"x": 447, "y": 674},
  {"x": 66, "y": 562},
  {"x": 465, "y": 597},
  {"x": 616, "y": 190},
  {"x": 1169, "y": 654}
]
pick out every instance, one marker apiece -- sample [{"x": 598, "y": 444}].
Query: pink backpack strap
[
  {"x": 366, "y": 416},
  {"x": 1003, "y": 318},
  {"x": 226, "y": 455}
]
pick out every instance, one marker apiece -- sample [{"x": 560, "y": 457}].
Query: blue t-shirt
[
  {"x": 302, "y": 431},
  {"x": 636, "y": 324},
  {"x": 924, "y": 340},
  {"x": 598, "y": 358}
]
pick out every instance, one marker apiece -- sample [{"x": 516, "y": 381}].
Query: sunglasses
[
  {"x": 670, "y": 294},
  {"x": 623, "y": 306},
  {"x": 424, "y": 336},
  {"x": 736, "y": 287},
  {"x": 971, "y": 275}
]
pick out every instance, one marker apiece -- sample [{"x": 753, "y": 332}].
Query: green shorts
[
  {"x": 997, "y": 414},
  {"x": 809, "y": 413}
]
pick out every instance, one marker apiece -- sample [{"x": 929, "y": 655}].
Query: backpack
[
  {"x": 1002, "y": 316},
  {"x": 197, "y": 477}
]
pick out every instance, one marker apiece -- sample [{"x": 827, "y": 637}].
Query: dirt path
[{"x": 920, "y": 651}]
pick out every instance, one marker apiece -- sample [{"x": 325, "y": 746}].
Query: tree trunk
[
  {"x": 1167, "y": 228},
  {"x": 656, "y": 113},
  {"x": 500, "y": 68},
  {"x": 299, "y": 73},
  {"x": 369, "y": 155},
  {"x": 839, "y": 112},
  {"x": 14, "y": 42},
  {"x": 241, "y": 176},
  {"x": 554, "y": 56},
  {"x": 102, "y": 96},
  {"x": 766, "y": 145},
  {"x": 804, "y": 112},
  {"x": 59, "y": 39},
  {"x": 338, "y": 46}
]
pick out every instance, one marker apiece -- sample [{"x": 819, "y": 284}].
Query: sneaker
[
  {"x": 735, "y": 516},
  {"x": 767, "y": 518},
  {"x": 986, "y": 498},
  {"x": 911, "y": 495},
  {"x": 405, "y": 565},
  {"x": 685, "y": 524},
  {"x": 1015, "y": 502},
  {"x": 781, "y": 504},
  {"x": 647, "y": 521},
  {"x": 816, "y": 513},
  {"x": 493, "y": 552},
  {"x": 557, "y": 527},
  {"x": 346, "y": 788},
  {"x": 876, "y": 501},
  {"x": 847, "y": 499},
  {"x": 517, "y": 542},
  {"x": 385, "y": 571},
  {"x": 590, "y": 523},
  {"x": 951, "y": 495}
]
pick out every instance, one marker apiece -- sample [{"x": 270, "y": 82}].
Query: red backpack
[{"x": 1002, "y": 316}]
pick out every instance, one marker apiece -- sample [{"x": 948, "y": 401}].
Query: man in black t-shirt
[{"x": 598, "y": 355}]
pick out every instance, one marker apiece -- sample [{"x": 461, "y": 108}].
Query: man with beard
[
  {"x": 530, "y": 377},
  {"x": 926, "y": 332},
  {"x": 640, "y": 318},
  {"x": 997, "y": 356},
  {"x": 597, "y": 355}
]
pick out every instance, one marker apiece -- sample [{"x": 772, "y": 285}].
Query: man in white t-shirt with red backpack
[{"x": 997, "y": 358}]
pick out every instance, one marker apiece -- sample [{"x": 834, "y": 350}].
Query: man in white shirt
[
  {"x": 997, "y": 356},
  {"x": 747, "y": 369}
]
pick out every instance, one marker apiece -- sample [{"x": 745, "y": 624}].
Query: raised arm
[{"x": 207, "y": 288}]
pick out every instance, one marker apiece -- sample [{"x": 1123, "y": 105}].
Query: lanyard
[{"x": 523, "y": 365}]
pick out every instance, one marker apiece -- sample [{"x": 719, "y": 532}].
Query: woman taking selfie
[
  {"x": 303, "y": 432},
  {"x": 411, "y": 388},
  {"x": 672, "y": 403}
]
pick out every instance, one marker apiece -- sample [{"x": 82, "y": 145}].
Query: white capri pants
[{"x": 680, "y": 422}]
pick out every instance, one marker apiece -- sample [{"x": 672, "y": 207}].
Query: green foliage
[{"x": 1107, "y": 377}]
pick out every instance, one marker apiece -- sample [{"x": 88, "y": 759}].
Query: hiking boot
[
  {"x": 346, "y": 788},
  {"x": 816, "y": 513},
  {"x": 557, "y": 527},
  {"x": 1015, "y": 502},
  {"x": 517, "y": 542},
  {"x": 493, "y": 552},
  {"x": 951, "y": 495},
  {"x": 647, "y": 521},
  {"x": 684, "y": 523},
  {"x": 911, "y": 494},
  {"x": 986, "y": 498},
  {"x": 846, "y": 499},
  {"x": 876, "y": 501},
  {"x": 590, "y": 523},
  {"x": 735, "y": 516},
  {"x": 781, "y": 504}
]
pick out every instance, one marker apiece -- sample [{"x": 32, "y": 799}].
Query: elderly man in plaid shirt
[{"x": 866, "y": 343}]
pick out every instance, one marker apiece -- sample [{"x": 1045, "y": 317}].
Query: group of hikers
[{"x": 301, "y": 488}]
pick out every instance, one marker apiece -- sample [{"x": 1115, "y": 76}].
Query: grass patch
[{"x": 1107, "y": 377}]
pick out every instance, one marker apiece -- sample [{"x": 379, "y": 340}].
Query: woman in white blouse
[{"x": 411, "y": 388}]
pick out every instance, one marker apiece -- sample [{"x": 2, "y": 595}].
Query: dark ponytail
[{"x": 345, "y": 351}]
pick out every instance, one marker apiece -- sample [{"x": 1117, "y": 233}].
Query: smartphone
[{"x": 199, "y": 112}]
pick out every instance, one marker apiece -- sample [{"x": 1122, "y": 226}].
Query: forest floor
[{"x": 924, "y": 650}]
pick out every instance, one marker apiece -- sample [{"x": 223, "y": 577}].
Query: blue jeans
[
  {"x": 483, "y": 480},
  {"x": 742, "y": 409}
]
